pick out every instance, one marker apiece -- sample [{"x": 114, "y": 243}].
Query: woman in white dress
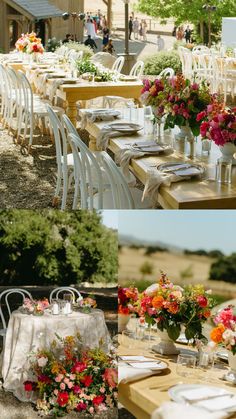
[{"x": 90, "y": 28}]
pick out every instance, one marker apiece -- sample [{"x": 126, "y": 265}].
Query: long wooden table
[
  {"x": 141, "y": 400},
  {"x": 83, "y": 90},
  {"x": 188, "y": 194}
]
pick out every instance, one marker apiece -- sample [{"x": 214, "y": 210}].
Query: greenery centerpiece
[
  {"x": 88, "y": 70},
  {"x": 71, "y": 378}
]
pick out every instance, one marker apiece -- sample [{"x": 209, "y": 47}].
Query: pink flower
[
  {"x": 72, "y": 377},
  {"x": 70, "y": 385},
  {"x": 111, "y": 377},
  {"x": 91, "y": 410},
  {"x": 200, "y": 116},
  {"x": 225, "y": 317},
  {"x": 62, "y": 386},
  {"x": 55, "y": 392},
  {"x": 81, "y": 406},
  {"x": 59, "y": 378},
  {"x": 195, "y": 86},
  {"x": 76, "y": 389}
]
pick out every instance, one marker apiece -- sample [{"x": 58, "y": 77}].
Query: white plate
[
  {"x": 223, "y": 355},
  {"x": 150, "y": 365},
  {"x": 182, "y": 168},
  {"x": 178, "y": 394},
  {"x": 125, "y": 127},
  {"x": 109, "y": 112},
  {"x": 128, "y": 78}
]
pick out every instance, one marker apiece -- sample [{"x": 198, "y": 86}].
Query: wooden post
[
  {"x": 4, "y": 24},
  {"x": 109, "y": 14},
  {"x": 77, "y": 26}
]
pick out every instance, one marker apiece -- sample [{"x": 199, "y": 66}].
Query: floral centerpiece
[
  {"x": 127, "y": 299},
  {"x": 218, "y": 124},
  {"x": 154, "y": 94},
  {"x": 169, "y": 306},
  {"x": 88, "y": 69},
  {"x": 35, "y": 307},
  {"x": 29, "y": 43},
  {"x": 87, "y": 303},
  {"x": 70, "y": 378},
  {"x": 224, "y": 334},
  {"x": 185, "y": 100}
]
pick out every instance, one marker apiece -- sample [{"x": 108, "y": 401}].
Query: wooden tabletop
[
  {"x": 143, "y": 396},
  {"x": 188, "y": 194}
]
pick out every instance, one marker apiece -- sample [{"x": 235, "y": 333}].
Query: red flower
[
  {"x": 202, "y": 301},
  {"x": 110, "y": 376},
  {"x": 98, "y": 400},
  {"x": 62, "y": 398},
  {"x": 44, "y": 379},
  {"x": 86, "y": 380},
  {"x": 81, "y": 406},
  {"x": 76, "y": 389},
  {"x": 201, "y": 115},
  {"x": 79, "y": 367},
  {"x": 29, "y": 385}
]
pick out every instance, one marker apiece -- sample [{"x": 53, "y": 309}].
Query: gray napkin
[{"x": 91, "y": 116}]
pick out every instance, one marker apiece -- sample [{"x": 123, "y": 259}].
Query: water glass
[
  {"x": 206, "y": 147},
  {"x": 128, "y": 339},
  {"x": 224, "y": 170},
  {"x": 148, "y": 120},
  {"x": 205, "y": 363},
  {"x": 186, "y": 365}
]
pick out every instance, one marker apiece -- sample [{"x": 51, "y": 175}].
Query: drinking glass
[
  {"x": 185, "y": 365},
  {"x": 205, "y": 363},
  {"x": 128, "y": 339},
  {"x": 206, "y": 147},
  {"x": 148, "y": 120},
  {"x": 224, "y": 170}
]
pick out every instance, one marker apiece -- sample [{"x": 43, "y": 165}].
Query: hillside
[{"x": 181, "y": 269}]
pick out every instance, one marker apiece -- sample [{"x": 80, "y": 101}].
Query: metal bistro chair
[{"x": 70, "y": 290}]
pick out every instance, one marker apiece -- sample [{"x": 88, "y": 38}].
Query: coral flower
[
  {"x": 157, "y": 302},
  {"x": 217, "y": 332}
]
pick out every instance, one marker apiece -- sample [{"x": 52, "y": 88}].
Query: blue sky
[
  {"x": 188, "y": 229},
  {"x": 110, "y": 218}
]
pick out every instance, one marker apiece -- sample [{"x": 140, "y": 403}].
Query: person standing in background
[
  {"x": 136, "y": 28},
  {"x": 130, "y": 26},
  {"x": 144, "y": 30},
  {"x": 141, "y": 30},
  {"x": 179, "y": 34},
  {"x": 187, "y": 34},
  {"x": 90, "y": 43},
  {"x": 160, "y": 43},
  {"x": 105, "y": 40}
]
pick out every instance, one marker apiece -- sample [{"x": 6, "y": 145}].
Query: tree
[
  {"x": 224, "y": 269},
  {"x": 62, "y": 248},
  {"x": 146, "y": 268},
  {"x": 189, "y": 11}
]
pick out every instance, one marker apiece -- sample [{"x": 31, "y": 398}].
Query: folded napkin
[
  {"x": 53, "y": 88},
  {"x": 92, "y": 116},
  {"x": 155, "y": 179},
  {"x": 213, "y": 403},
  {"x": 172, "y": 410},
  {"x": 123, "y": 158},
  {"x": 104, "y": 136},
  {"x": 127, "y": 374}
]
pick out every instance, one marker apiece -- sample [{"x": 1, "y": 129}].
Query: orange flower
[
  {"x": 157, "y": 302},
  {"x": 206, "y": 313},
  {"x": 217, "y": 332},
  {"x": 173, "y": 307}
]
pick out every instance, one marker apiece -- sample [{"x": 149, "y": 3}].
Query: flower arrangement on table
[
  {"x": 185, "y": 100},
  {"x": 86, "y": 68},
  {"x": 169, "y": 306},
  {"x": 127, "y": 300},
  {"x": 36, "y": 307},
  {"x": 29, "y": 44},
  {"x": 154, "y": 94},
  {"x": 87, "y": 303},
  {"x": 70, "y": 378},
  {"x": 224, "y": 334},
  {"x": 218, "y": 124}
]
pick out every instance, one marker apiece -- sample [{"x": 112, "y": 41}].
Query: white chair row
[
  {"x": 97, "y": 181},
  {"x": 21, "y": 110}
]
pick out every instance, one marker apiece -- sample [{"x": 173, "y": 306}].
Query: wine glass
[{"x": 185, "y": 365}]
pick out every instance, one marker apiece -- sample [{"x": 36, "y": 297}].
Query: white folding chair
[
  {"x": 137, "y": 69},
  {"x": 167, "y": 72},
  {"x": 4, "y": 300},
  {"x": 118, "y": 64},
  {"x": 69, "y": 290}
]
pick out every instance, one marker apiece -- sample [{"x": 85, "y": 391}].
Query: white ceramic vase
[
  {"x": 123, "y": 320},
  {"x": 228, "y": 150},
  {"x": 166, "y": 346}
]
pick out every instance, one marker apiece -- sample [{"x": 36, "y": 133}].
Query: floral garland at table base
[{"x": 71, "y": 378}]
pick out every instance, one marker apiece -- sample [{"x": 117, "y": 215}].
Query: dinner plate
[
  {"x": 151, "y": 147},
  {"x": 128, "y": 127},
  {"x": 222, "y": 355},
  {"x": 204, "y": 396},
  {"x": 150, "y": 364},
  {"x": 128, "y": 78},
  {"x": 182, "y": 168},
  {"x": 109, "y": 112}
]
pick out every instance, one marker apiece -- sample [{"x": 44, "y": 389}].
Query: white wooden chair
[
  {"x": 167, "y": 72},
  {"x": 4, "y": 299},
  {"x": 118, "y": 64},
  {"x": 66, "y": 290}
]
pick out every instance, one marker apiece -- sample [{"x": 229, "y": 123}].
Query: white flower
[
  {"x": 150, "y": 291},
  {"x": 209, "y": 292},
  {"x": 229, "y": 337},
  {"x": 42, "y": 361}
]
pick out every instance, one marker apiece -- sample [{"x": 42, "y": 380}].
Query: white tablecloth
[{"x": 26, "y": 333}]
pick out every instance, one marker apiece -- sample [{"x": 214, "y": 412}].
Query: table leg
[
  {"x": 138, "y": 102},
  {"x": 71, "y": 111}
]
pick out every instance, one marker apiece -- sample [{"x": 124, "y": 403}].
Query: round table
[{"x": 27, "y": 333}]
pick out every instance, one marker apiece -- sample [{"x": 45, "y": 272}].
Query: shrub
[
  {"x": 158, "y": 62},
  {"x": 224, "y": 269},
  {"x": 52, "y": 44},
  {"x": 153, "y": 249},
  {"x": 146, "y": 268}
]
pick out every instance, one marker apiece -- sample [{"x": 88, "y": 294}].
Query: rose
[
  {"x": 29, "y": 385},
  {"x": 202, "y": 301},
  {"x": 62, "y": 398},
  {"x": 81, "y": 406},
  {"x": 79, "y": 367},
  {"x": 111, "y": 377},
  {"x": 98, "y": 400},
  {"x": 76, "y": 389},
  {"x": 86, "y": 380},
  {"x": 42, "y": 361}
]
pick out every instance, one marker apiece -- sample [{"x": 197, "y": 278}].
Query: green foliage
[
  {"x": 187, "y": 272},
  {"x": 224, "y": 269},
  {"x": 86, "y": 66},
  {"x": 52, "y": 44},
  {"x": 215, "y": 253},
  {"x": 61, "y": 248},
  {"x": 153, "y": 249},
  {"x": 146, "y": 268},
  {"x": 163, "y": 59}
]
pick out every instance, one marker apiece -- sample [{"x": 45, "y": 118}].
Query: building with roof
[{"x": 42, "y": 16}]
